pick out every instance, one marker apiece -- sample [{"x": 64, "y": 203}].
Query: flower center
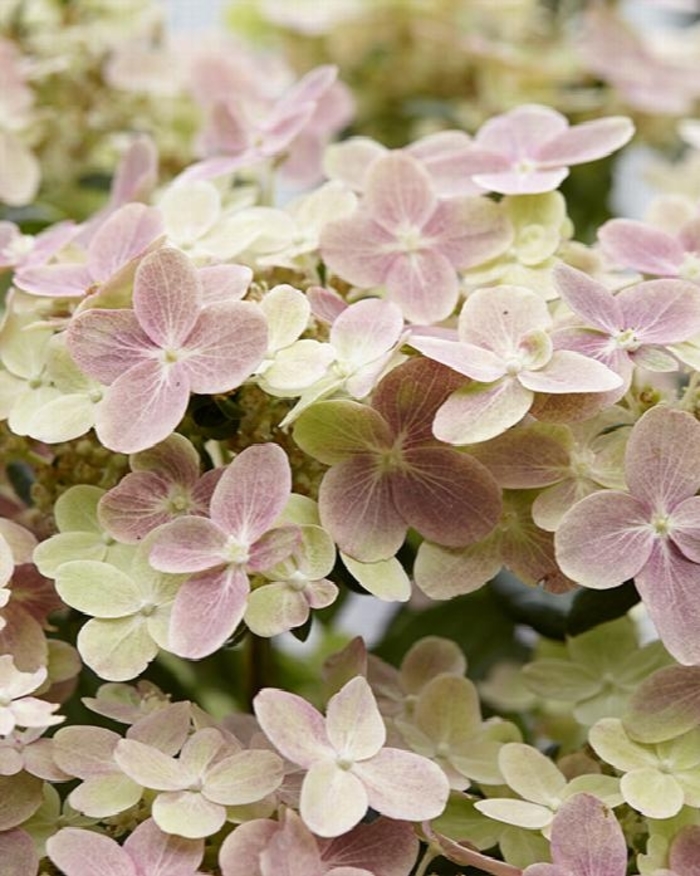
[
  {"x": 627, "y": 340},
  {"x": 410, "y": 239},
  {"x": 662, "y": 524}
]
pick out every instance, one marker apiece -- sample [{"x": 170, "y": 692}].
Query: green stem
[
  {"x": 427, "y": 859},
  {"x": 258, "y": 666}
]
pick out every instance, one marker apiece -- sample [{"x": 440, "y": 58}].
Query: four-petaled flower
[{"x": 348, "y": 768}]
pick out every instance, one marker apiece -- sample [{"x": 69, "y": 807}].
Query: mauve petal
[
  {"x": 240, "y": 851},
  {"x": 409, "y": 396},
  {"x": 404, "y": 785},
  {"x": 519, "y": 133},
  {"x": 163, "y": 854},
  {"x": 636, "y": 245},
  {"x": 225, "y": 346},
  {"x": 167, "y": 297},
  {"x": 293, "y": 726},
  {"x": 332, "y": 800},
  {"x": 207, "y": 609},
  {"x": 567, "y": 371},
  {"x": 662, "y": 460},
  {"x": 589, "y": 299},
  {"x": 353, "y": 723},
  {"x": 605, "y": 539},
  {"x": 358, "y": 249},
  {"x": 135, "y": 506},
  {"x": 587, "y": 838},
  {"x": 389, "y": 848},
  {"x": 86, "y": 853},
  {"x": 482, "y": 411},
  {"x": 127, "y": 233},
  {"x": 106, "y": 343},
  {"x": 685, "y": 528},
  {"x": 398, "y": 192},
  {"x": 18, "y": 854},
  {"x": 252, "y": 492},
  {"x": 55, "y": 281},
  {"x": 447, "y": 497},
  {"x": 292, "y": 851},
  {"x": 188, "y": 544},
  {"x": 684, "y": 854},
  {"x": 585, "y": 142},
  {"x": 468, "y": 359},
  {"x": 273, "y": 547},
  {"x": 469, "y": 231},
  {"x": 142, "y": 407},
  {"x": 222, "y": 284},
  {"x": 669, "y": 585},
  {"x": 424, "y": 284},
  {"x": 357, "y": 508},
  {"x": 662, "y": 311}
]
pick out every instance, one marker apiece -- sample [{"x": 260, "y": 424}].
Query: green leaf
[{"x": 593, "y": 607}]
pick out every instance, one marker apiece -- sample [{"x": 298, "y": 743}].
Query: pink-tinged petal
[
  {"x": 482, "y": 411},
  {"x": 163, "y": 854},
  {"x": 353, "y": 723},
  {"x": 587, "y": 838},
  {"x": 398, "y": 192},
  {"x": 222, "y": 284},
  {"x": 240, "y": 851},
  {"x": 662, "y": 460},
  {"x": 567, "y": 371},
  {"x": 662, "y": 311},
  {"x": 175, "y": 460},
  {"x": 106, "y": 343},
  {"x": 357, "y": 508},
  {"x": 135, "y": 506},
  {"x": 126, "y": 234},
  {"x": 450, "y": 159},
  {"x": 333, "y": 800},
  {"x": 669, "y": 586},
  {"x": 589, "y": 299},
  {"x": 521, "y": 182},
  {"x": 499, "y": 318},
  {"x": 137, "y": 172},
  {"x": 366, "y": 329},
  {"x": 151, "y": 768},
  {"x": 447, "y": 497},
  {"x": 468, "y": 359},
  {"x": 55, "y": 281},
  {"x": 85, "y": 751},
  {"x": 18, "y": 855},
  {"x": 225, "y": 346},
  {"x": 585, "y": 142},
  {"x": 387, "y": 848},
  {"x": 274, "y": 547},
  {"x": 358, "y": 249},
  {"x": 408, "y": 397},
  {"x": 404, "y": 785},
  {"x": 518, "y": 133},
  {"x": 142, "y": 407},
  {"x": 189, "y": 544},
  {"x": 424, "y": 285},
  {"x": 293, "y": 726},
  {"x": 188, "y": 814},
  {"x": 87, "y": 853},
  {"x": 469, "y": 231},
  {"x": 207, "y": 609},
  {"x": 167, "y": 297},
  {"x": 636, "y": 245},
  {"x": 685, "y": 530},
  {"x": 252, "y": 492},
  {"x": 684, "y": 854},
  {"x": 605, "y": 539},
  {"x": 292, "y": 851}
]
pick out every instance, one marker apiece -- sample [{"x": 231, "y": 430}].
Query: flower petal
[
  {"x": 167, "y": 297},
  {"x": 353, "y": 723},
  {"x": 332, "y": 799},
  {"x": 86, "y": 853},
  {"x": 293, "y": 726}
]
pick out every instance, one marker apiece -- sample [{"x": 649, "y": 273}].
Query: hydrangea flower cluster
[{"x": 224, "y": 414}]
